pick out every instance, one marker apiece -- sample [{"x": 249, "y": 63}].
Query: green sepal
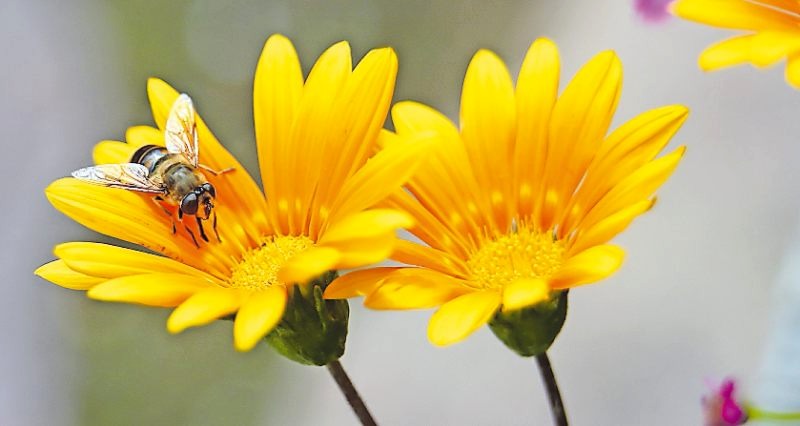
[
  {"x": 313, "y": 330},
  {"x": 530, "y": 331}
]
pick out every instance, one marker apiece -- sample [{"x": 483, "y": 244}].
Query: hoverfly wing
[
  {"x": 130, "y": 176},
  {"x": 180, "y": 134}
]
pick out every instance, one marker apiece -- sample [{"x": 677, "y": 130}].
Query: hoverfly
[{"x": 171, "y": 173}]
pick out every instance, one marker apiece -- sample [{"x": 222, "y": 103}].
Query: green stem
[
  {"x": 349, "y": 391},
  {"x": 553, "y": 394},
  {"x": 755, "y": 413}
]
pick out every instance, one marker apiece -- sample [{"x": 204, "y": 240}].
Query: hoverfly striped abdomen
[{"x": 150, "y": 156}]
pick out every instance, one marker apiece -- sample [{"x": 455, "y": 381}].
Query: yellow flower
[
  {"x": 519, "y": 204},
  {"x": 772, "y": 32},
  {"x": 316, "y": 149}
]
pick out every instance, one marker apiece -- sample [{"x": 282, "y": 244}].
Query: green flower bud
[
  {"x": 530, "y": 331},
  {"x": 313, "y": 330}
]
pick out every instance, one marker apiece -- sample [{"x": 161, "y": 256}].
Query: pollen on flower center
[
  {"x": 259, "y": 268},
  {"x": 521, "y": 254}
]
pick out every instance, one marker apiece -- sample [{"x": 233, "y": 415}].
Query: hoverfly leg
[
  {"x": 191, "y": 234},
  {"x": 216, "y": 172},
  {"x": 202, "y": 231},
  {"x": 214, "y": 226},
  {"x": 157, "y": 200}
]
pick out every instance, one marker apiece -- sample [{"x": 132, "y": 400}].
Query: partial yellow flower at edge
[
  {"x": 316, "y": 140},
  {"x": 519, "y": 204},
  {"x": 771, "y": 33}
]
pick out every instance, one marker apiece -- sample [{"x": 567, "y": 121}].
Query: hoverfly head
[{"x": 199, "y": 202}]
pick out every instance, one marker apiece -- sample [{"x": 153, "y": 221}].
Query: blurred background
[{"x": 697, "y": 298}]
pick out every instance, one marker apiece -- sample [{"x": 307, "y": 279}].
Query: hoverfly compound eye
[
  {"x": 189, "y": 204},
  {"x": 209, "y": 188}
]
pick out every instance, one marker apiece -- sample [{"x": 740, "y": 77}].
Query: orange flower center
[
  {"x": 523, "y": 254},
  {"x": 259, "y": 268}
]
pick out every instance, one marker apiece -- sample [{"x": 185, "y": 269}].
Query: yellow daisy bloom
[
  {"x": 316, "y": 149},
  {"x": 772, "y": 32},
  {"x": 518, "y": 205}
]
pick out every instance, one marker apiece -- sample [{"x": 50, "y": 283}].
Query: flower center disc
[
  {"x": 523, "y": 254},
  {"x": 259, "y": 268}
]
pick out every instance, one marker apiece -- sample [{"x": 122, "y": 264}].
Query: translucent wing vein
[
  {"x": 180, "y": 135},
  {"x": 131, "y": 176}
]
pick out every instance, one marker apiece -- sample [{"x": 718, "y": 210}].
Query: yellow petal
[
  {"x": 588, "y": 266},
  {"x": 277, "y": 90},
  {"x": 460, "y": 317},
  {"x": 453, "y": 199},
  {"x": 114, "y": 212},
  {"x": 609, "y": 227},
  {"x": 132, "y": 217},
  {"x": 366, "y": 101},
  {"x": 383, "y": 174},
  {"x": 358, "y": 116},
  {"x": 259, "y": 314},
  {"x": 536, "y": 93},
  {"x": 726, "y": 53},
  {"x": 161, "y": 96},
  {"x": 139, "y": 136},
  {"x": 357, "y": 283},
  {"x": 580, "y": 121},
  {"x": 411, "y": 118},
  {"x": 166, "y": 290},
  {"x": 415, "y": 254},
  {"x": 305, "y": 152},
  {"x": 59, "y": 273},
  {"x": 488, "y": 127},
  {"x": 633, "y": 144},
  {"x": 525, "y": 292},
  {"x": 627, "y": 149},
  {"x": 787, "y": 5},
  {"x": 107, "y": 261},
  {"x": 110, "y": 152},
  {"x": 429, "y": 226},
  {"x": 733, "y": 14},
  {"x": 308, "y": 265},
  {"x": 204, "y": 307},
  {"x": 445, "y": 184},
  {"x": 769, "y": 47},
  {"x": 790, "y": 5},
  {"x": 762, "y": 49},
  {"x": 366, "y": 224},
  {"x": 366, "y": 237},
  {"x": 364, "y": 251},
  {"x": 793, "y": 71},
  {"x": 414, "y": 288},
  {"x": 636, "y": 187}
]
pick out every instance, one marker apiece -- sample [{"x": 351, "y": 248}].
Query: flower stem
[
  {"x": 553, "y": 394},
  {"x": 349, "y": 391},
  {"x": 755, "y": 413}
]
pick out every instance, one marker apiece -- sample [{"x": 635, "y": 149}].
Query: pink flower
[
  {"x": 721, "y": 408},
  {"x": 652, "y": 10}
]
